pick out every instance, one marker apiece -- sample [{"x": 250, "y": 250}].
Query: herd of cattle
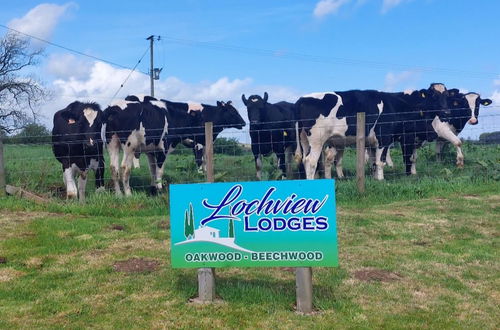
[{"x": 318, "y": 123}]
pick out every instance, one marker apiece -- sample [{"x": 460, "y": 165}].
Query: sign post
[
  {"x": 206, "y": 276},
  {"x": 256, "y": 224}
]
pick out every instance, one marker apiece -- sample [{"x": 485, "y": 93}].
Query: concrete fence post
[
  {"x": 206, "y": 276},
  {"x": 360, "y": 151}
]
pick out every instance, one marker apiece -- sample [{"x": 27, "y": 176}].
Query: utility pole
[{"x": 151, "y": 39}]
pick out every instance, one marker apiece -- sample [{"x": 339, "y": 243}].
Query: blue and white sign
[{"x": 254, "y": 224}]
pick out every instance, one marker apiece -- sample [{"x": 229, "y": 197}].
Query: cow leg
[
  {"x": 114, "y": 157},
  {"x": 444, "y": 131},
  {"x": 282, "y": 164},
  {"x": 388, "y": 158},
  {"x": 288, "y": 162},
  {"x": 439, "y": 149},
  {"x": 408, "y": 148},
  {"x": 82, "y": 183},
  {"x": 379, "y": 164},
  {"x": 160, "y": 162},
  {"x": 126, "y": 167},
  {"x": 338, "y": 163},
  {"x": 69, "y": 182},
  {"x": 99, "y": 174},
  {"x": 413, "y": 160},
  {"x": 152, "y": 171},
  {"x": 198, "y": 157},
  {"x": 311, "y": 160},
  {"x": 328, "y": 159},
  {"x": 258, "y": 166}
]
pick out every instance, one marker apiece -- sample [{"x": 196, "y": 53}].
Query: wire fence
[{"x": 246, "y": 155}]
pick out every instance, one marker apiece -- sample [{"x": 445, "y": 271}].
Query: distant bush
[
  {"x": 31, "y": 134},
  {"x": 493, "y": 137},
  {"x": 228, "y": 146}
]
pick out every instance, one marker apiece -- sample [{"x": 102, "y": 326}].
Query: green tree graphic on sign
[
  {"x": 231, "y": 228},
  {"x": 189, "y": 222}
]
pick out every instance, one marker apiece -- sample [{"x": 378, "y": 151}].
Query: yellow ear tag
[
  {"x": 285, "y": 133},
  {"x": 486, "y": 103}
]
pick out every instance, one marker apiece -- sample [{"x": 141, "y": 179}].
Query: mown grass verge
[{"x": 431, "y": 262}]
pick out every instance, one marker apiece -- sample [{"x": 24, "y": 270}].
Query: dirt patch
[
  {"x": 471, "y": 196},
  {"x": 288, "y": 269},
  {"x": 163, "y": 225},
  {"x": 8, "y": 274},
  {"x": 3, "y": 260},
  {"x": 117, "y": 227},
  {"x": 421, "y": 243},
  {"x": 136, "y": 265},
  {"x": 376, "y": 275}
]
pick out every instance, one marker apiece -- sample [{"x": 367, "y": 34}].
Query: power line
[
  {"x": 322, "y": 59},
  {"x": 130, "y": 73},
  {"x": 69, "y": 49}
]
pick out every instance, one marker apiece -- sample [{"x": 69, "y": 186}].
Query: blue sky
[{"x": 218, "y": 49}]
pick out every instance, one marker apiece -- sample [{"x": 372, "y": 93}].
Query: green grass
[
  {"x": 444, "y": 250},
  {"x": 437, "y": 234}
]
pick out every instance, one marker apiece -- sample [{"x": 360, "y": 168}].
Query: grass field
[{"x": 418, "y": 252}]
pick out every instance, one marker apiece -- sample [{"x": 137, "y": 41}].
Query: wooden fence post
[
  {"x": 303, "y": 280},
  {"x": 206, "y": 276},
  {"x": 2, "y": 169},
  {"x": 360, "y": 151}
]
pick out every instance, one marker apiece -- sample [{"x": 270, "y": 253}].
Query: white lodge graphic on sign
[
  {"x": 208, "y": 234},
  {"x": 251, "y": 224}
]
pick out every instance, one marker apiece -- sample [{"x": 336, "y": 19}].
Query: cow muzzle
[{"x": 473, "y": 121}]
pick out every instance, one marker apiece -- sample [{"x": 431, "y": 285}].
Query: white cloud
[
  {"x": 326, "y": 7},
  {"x": 41, "y": 20},
  {"x": 102, "y": 81},
  {"x": 389, "y": 4},
  {"x": 401, "y": 80},
  {"x": 65, "y": 66}
]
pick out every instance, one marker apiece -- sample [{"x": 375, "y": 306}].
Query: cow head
[
  {"x": 466, "y": 106},
  {"x": 432, "y": 101},
  {"x": 228, "y": 116},
  {"x": 85, "y": 119},
  {"x": 255, "y": 107}
]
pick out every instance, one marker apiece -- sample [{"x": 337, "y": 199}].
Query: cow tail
[{"x": 298, "y": 149}]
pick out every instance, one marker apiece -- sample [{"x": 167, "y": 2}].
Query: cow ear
[
  {"x": 453, "y": 92},
  {"x": 485, "y": 101},
  {"x": 219, "y": 104},
  {"x": 244, "y": 99},
  {"x": 265, "y": 97}
]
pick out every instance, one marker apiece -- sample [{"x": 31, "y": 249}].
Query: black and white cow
[
  {"x": 464, "y": 109},
  {"x": 135, "y": 128},
  {"x": 272, "y": 129},
  {"x": 223, "y": 115},
  {"x": 330, "y": 118},
  {"x": 461, "y": 109},
  {"x": 155, "y": 127},
  {"x": 77, "y": 145}
]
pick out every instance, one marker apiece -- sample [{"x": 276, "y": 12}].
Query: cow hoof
[
  {"x": 71, "y": 195},
  {"x": 100, "y": 190}
]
